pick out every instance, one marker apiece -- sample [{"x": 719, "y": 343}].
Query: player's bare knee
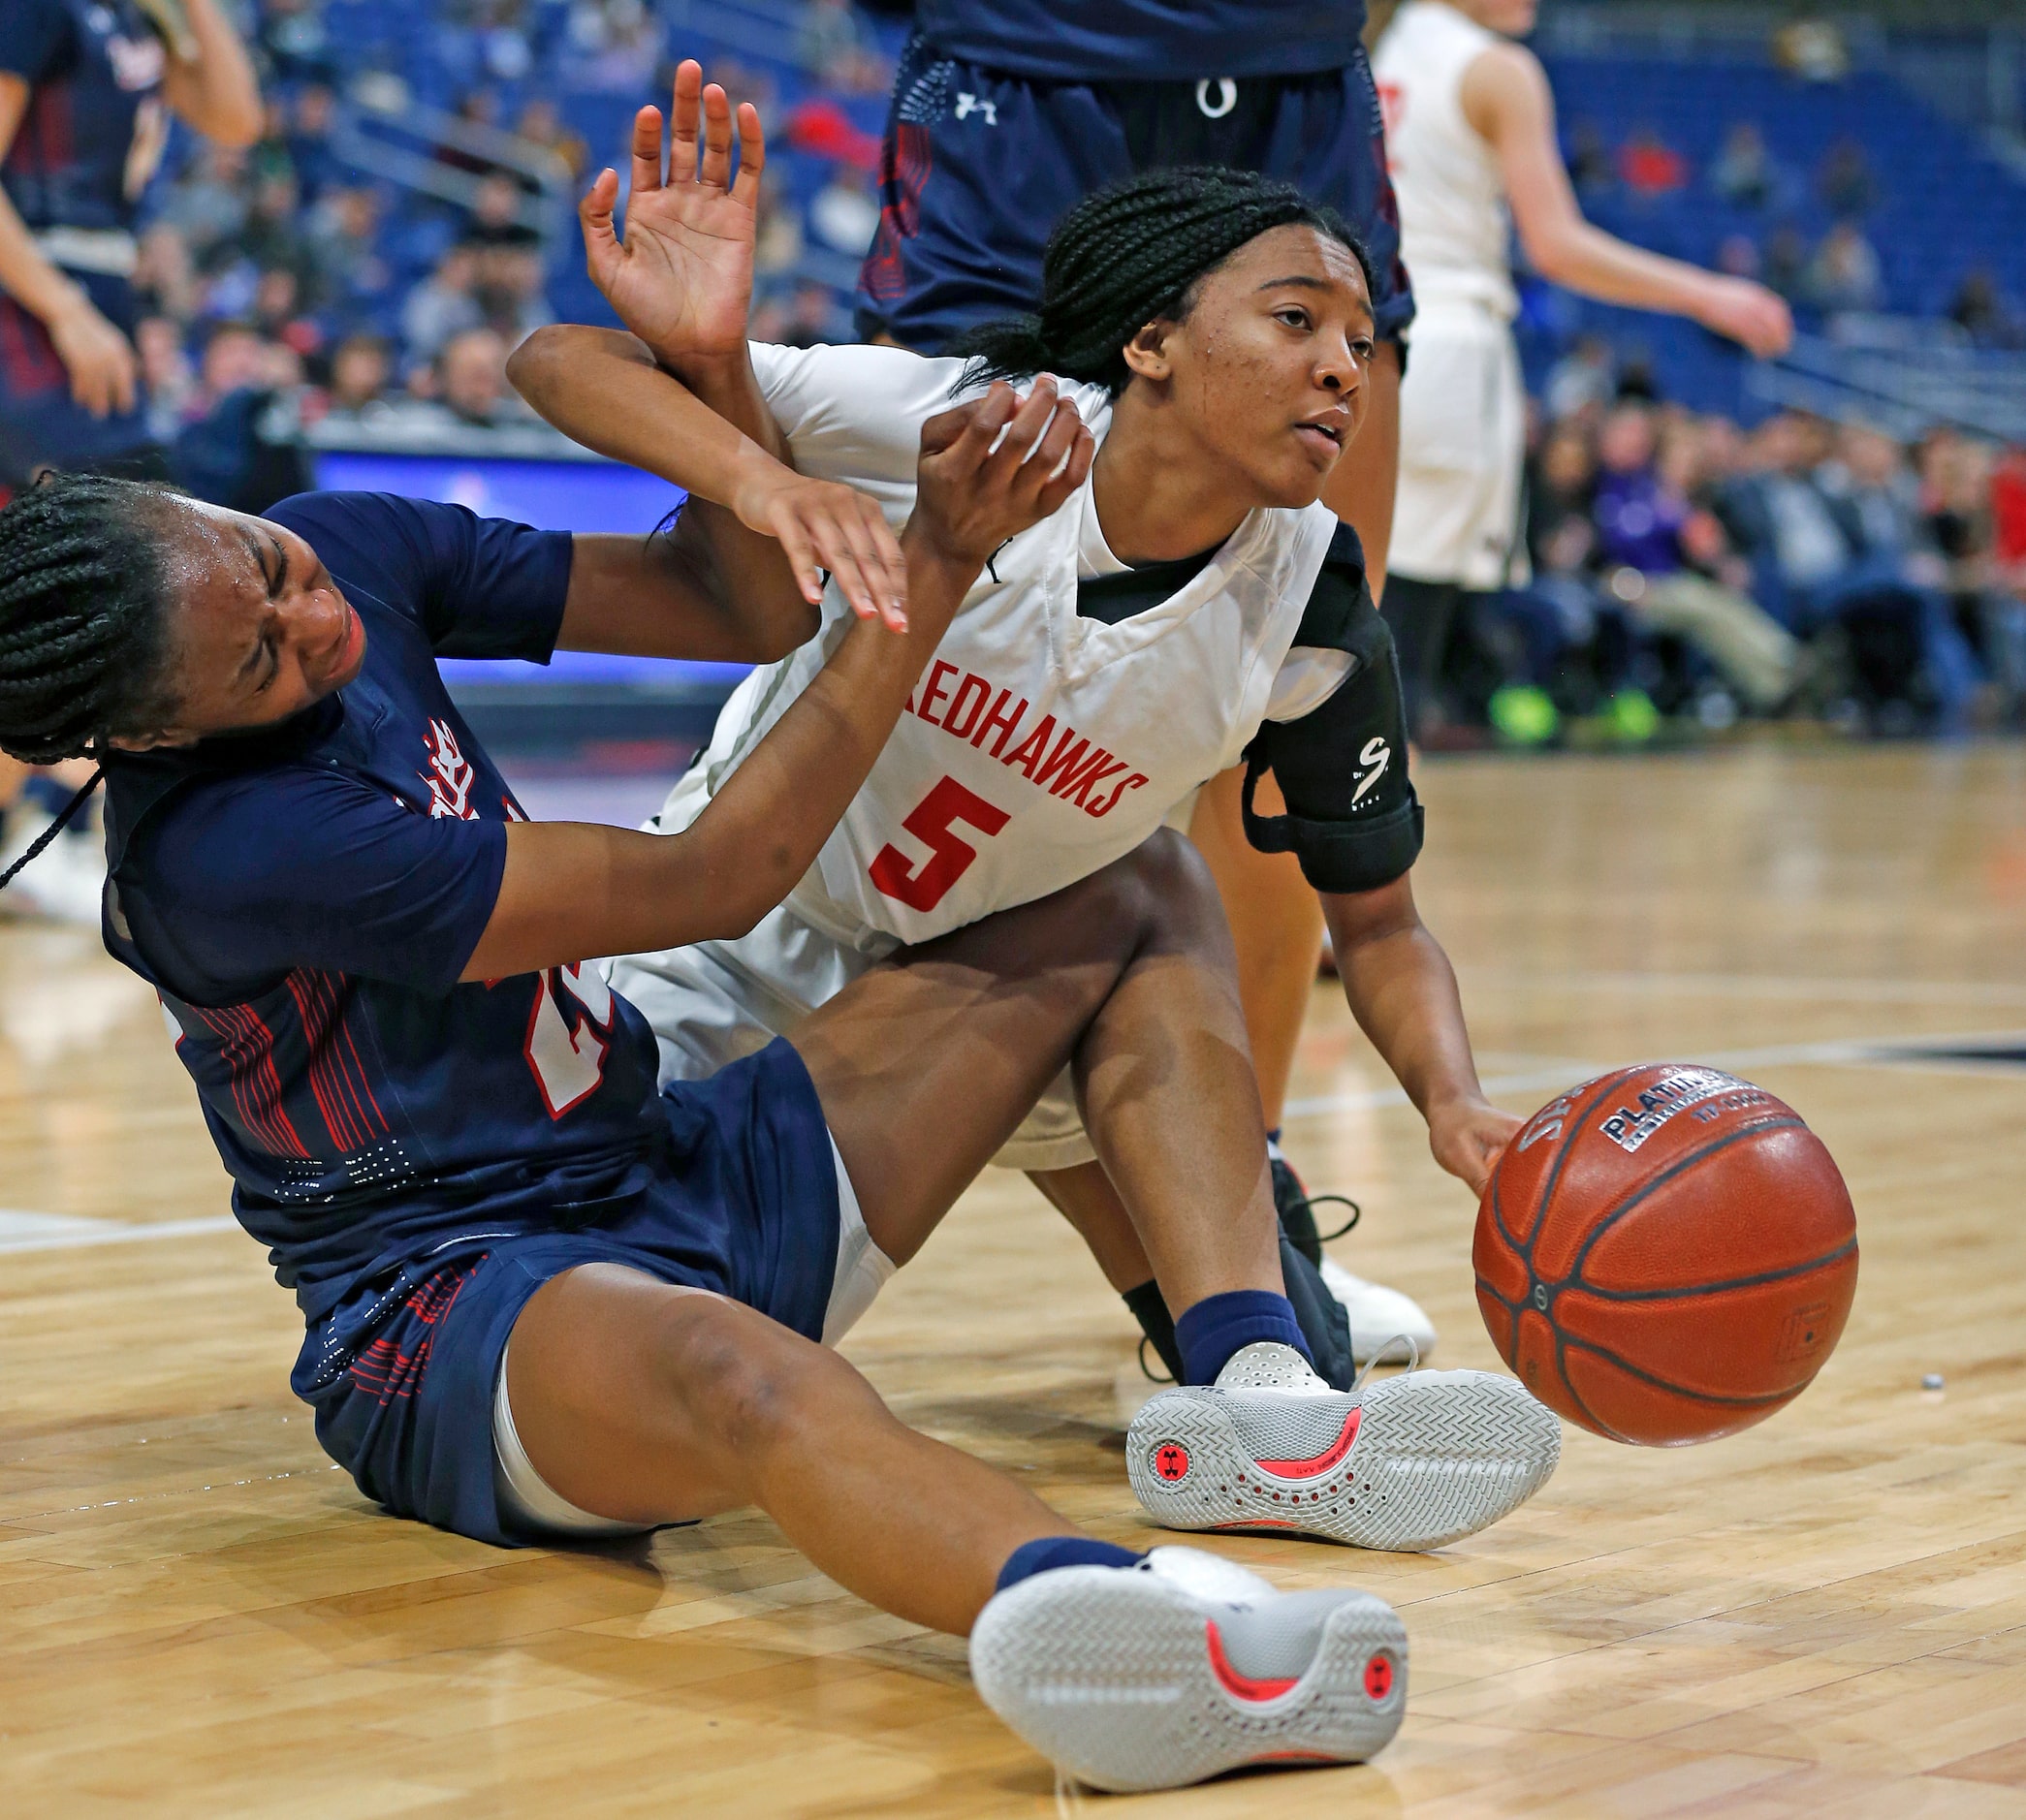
[{"x": 748, "y": 1386}]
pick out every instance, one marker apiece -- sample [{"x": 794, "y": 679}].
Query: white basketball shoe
[
  {"x": 1186, "y": 1666},
  {"x": 1407, "y": 1463}
]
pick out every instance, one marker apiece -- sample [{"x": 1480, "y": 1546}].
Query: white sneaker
[
  {"x": 1378, "y": 1314},
  {"x": 1186, "y": 1666},
  {"x": 1409, "y": 1462},
  {"x": 66, "y": 882}
]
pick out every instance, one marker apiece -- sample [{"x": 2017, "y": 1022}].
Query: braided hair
[
  {"x": 1132, "y": 254},
  {"x": 83, "y": 624}
]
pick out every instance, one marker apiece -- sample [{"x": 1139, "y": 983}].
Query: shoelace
[
  {"x": 1413, "y": 1360},
  {"x": 1310, "y": 1202}
]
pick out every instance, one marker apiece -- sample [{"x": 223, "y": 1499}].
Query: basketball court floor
[{"x": 1827, "y": 1614}]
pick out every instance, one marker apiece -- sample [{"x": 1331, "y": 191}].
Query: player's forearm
[
  {"x": 630, "y": 891},
  {"x": 1586, "y": 259},
  {"x": 29, "y": 278},
  {"x": 601, "y": 387},
  {"x": 1401, "y": 989},
  {"x": 216, "y": 92}
]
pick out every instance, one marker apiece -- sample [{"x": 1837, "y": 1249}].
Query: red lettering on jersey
[
  {"x": 958, "y": 706},
  {"x": 930, "y": 822},
  {"x": 1076, "y": 786},
  {"x": 1111, "y": 802},
  {"x": 934, "y": 690},
  {"x": 1063, "y": 760},
  {"x": 1000, "y": 718},
  {"x": 1032, "y": 746}
]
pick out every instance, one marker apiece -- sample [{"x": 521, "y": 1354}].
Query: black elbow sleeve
[{"x": 1352, "y": 818}]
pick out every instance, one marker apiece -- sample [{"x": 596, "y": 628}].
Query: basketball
[{"x": 1665, "y": 1254}]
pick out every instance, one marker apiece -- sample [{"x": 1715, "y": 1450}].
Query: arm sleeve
[
  {"x": 245, "y": 882},
  {"x": 480, "y": 587},
  {"x": 31, "y": 37},
  {"x": 1352, "y": 818}
]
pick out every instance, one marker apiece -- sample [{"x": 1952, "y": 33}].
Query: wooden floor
[{"x": 197, "y": 1614}]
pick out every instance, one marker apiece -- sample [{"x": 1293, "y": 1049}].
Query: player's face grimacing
[
  {"x": 1267, "y": 368},
  {"x": 258, "y": 630}
]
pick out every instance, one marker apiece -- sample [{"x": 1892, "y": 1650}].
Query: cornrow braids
[
  {"x": 83, "y": 617},
  {"x": 1132, "y": 254}
]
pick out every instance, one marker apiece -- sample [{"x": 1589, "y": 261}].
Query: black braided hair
[
  {"x": 83, "y": 617},
  {"x": 1132, "y": 254}
]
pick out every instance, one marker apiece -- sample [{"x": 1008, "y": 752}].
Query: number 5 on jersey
[{"x": 932, "y": 821}]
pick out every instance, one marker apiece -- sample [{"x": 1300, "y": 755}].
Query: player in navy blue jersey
[
  {"x": 544, "y": 1300},
  {"x": 1008, "y": 112},
  {"x": 87, "y": 87}
]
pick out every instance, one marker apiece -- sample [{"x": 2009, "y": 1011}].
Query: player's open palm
[
  {"x": 682, "y": 279},
  {"x": 994, "y": 466}
]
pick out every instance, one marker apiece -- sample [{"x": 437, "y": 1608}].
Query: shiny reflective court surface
[{"x": 1824, "y": 1614}]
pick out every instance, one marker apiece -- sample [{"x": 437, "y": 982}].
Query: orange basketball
[{"x": 1665, "y": 1254}]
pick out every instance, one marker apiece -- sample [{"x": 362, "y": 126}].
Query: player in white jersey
[
  {"x": 1470, "y": 131},
  {"x": 1191, "y": 607}
]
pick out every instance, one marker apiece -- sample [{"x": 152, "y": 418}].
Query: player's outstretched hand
[
  {"x": 1467, "y": 1138},
  {"x": 682, "y": 279},
  {"x": 822, "y": 525},
  {"x": 973, "y": 495},
  {"x": 1751, "y": 314}
]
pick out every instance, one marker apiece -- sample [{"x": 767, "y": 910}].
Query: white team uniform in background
[
  {"x": 1038, "y": 747},
  {"x": 1463, "y": 422}
]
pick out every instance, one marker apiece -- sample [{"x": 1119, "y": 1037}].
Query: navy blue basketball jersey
[
  {"x": 95, "y": 125},
  {"x": 1145, "y": 40},
  {"x": 304, "y": 900}
]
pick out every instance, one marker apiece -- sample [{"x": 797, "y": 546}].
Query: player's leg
[
  {"x": 926, "y": 1067},
  {"x": 667, "y": 1402},
  {"x": 690, "y": 1403}
]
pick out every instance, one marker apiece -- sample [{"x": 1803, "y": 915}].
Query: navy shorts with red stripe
[
  {"x": 978, "y": 165},
  {"x": 402, "y": 1373}
]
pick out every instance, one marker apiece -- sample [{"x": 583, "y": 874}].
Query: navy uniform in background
[
  {"x": 1007, "y": 112},
  {"x": 89, "y": 142}
]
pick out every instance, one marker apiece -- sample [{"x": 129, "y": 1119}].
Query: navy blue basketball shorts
[
  {"x": 977, "y": 167},
  {"x": 405, "y": 1373},
  {"x": 40, "y": 422}
]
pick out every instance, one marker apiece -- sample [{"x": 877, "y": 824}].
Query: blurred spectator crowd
[
  {"x": 1683, "y": 567},
  {"x": 289, "y": 290}
]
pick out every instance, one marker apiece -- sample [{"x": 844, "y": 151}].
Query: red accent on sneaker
[
  {"x": 1171, "y": 1461},
  {"x": 1379, "y": 1676},
  {"x": 1241, "y": 1686},
  {"x": 1322, "y": 1462}
]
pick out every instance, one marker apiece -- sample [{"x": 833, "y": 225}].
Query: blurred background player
[
  {"x": 1470, "y": 134},
  {"x": 1005, "y": 115},
  {"x": 87, "y": 87}
]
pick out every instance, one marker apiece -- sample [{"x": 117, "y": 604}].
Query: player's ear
[{"x": 1147, "y": 354}]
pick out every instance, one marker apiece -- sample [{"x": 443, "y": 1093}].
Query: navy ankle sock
[
  {"x": 1218, "y": 1326},
  {"x": 1047, "y": 1552}
]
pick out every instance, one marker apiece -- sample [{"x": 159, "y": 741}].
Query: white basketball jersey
[
  {"x": 1455, "y": 231},
  {"x": 1039, "y": 745}
]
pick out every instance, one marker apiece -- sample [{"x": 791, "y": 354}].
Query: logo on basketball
[
  {"x": 1171, "y": 1461},
  {"x": 1379, "y": 1677}
]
